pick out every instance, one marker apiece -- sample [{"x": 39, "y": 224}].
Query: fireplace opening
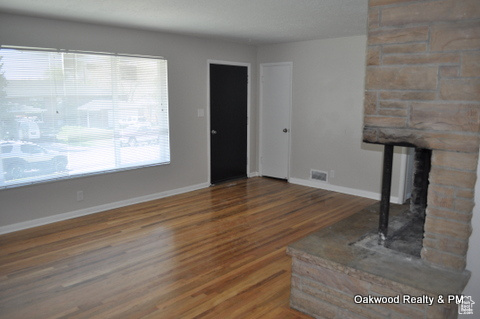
[
  {"x": 408, "y": 237},
  {"x": 405, "y": 233}
]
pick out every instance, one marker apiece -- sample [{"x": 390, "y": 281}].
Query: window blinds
[{"x": 83, "y": 112}]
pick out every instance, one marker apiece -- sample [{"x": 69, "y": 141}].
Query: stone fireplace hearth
[
  {"x": 422, "y": 90},
  {"x": 334, "y": 267}
]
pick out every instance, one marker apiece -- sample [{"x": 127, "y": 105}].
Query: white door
[{"x": 275, "y": 106}]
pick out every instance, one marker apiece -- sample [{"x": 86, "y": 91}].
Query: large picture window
[{"x": 66, "y": 114}]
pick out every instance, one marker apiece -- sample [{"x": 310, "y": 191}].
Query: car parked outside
[
  {"x": 140, "y": 134},
  {"x": 20, "y": 158}
]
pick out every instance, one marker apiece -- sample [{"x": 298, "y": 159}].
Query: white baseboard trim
[
  {"x": 253, "y": 174},
  {"x": 341, "y": 189},
  {"x": 97, "y": 209}
]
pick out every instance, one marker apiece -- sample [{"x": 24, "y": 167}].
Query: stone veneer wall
[{"x": 423, "y": 89}]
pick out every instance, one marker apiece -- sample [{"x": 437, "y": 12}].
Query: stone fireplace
[{"x": 422, "y": 90}]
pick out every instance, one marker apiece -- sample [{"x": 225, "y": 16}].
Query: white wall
[
  {"x": 327, "y": 115},
  {"x": 188, "y": 81}
]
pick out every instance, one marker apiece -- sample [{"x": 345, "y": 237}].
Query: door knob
[
  {"x": 285, "y": 130},
  {"x": 214, "y": 132}
]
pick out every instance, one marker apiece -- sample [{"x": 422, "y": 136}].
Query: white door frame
[
  {"x": 248, "y": 65},
  {"x": 407, "y": 169},
  {"x": 262, "y": 65}
]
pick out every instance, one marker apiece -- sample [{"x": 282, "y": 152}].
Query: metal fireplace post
[{"x": 385, "y": 200}]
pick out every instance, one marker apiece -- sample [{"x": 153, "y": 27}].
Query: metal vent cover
[{"x": 318, "y": 175}]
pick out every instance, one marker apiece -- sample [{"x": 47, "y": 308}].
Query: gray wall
[
  {"x": 188, "y": 82},
  {"x": 328, "y": 81},
  {"x": 327, "y": 115}
]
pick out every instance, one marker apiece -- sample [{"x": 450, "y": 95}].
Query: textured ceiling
[{"x": 249, "y": 21}]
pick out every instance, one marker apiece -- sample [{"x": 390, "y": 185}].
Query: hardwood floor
[{"x": 214, "y": 253}]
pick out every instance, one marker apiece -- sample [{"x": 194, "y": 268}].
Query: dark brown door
[{"x": 228, "y": 122}]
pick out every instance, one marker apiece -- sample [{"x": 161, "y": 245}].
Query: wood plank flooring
[{"x": 218, "y": 252}]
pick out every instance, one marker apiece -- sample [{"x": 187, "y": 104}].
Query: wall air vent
[{"x": 318, "y": 175}]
